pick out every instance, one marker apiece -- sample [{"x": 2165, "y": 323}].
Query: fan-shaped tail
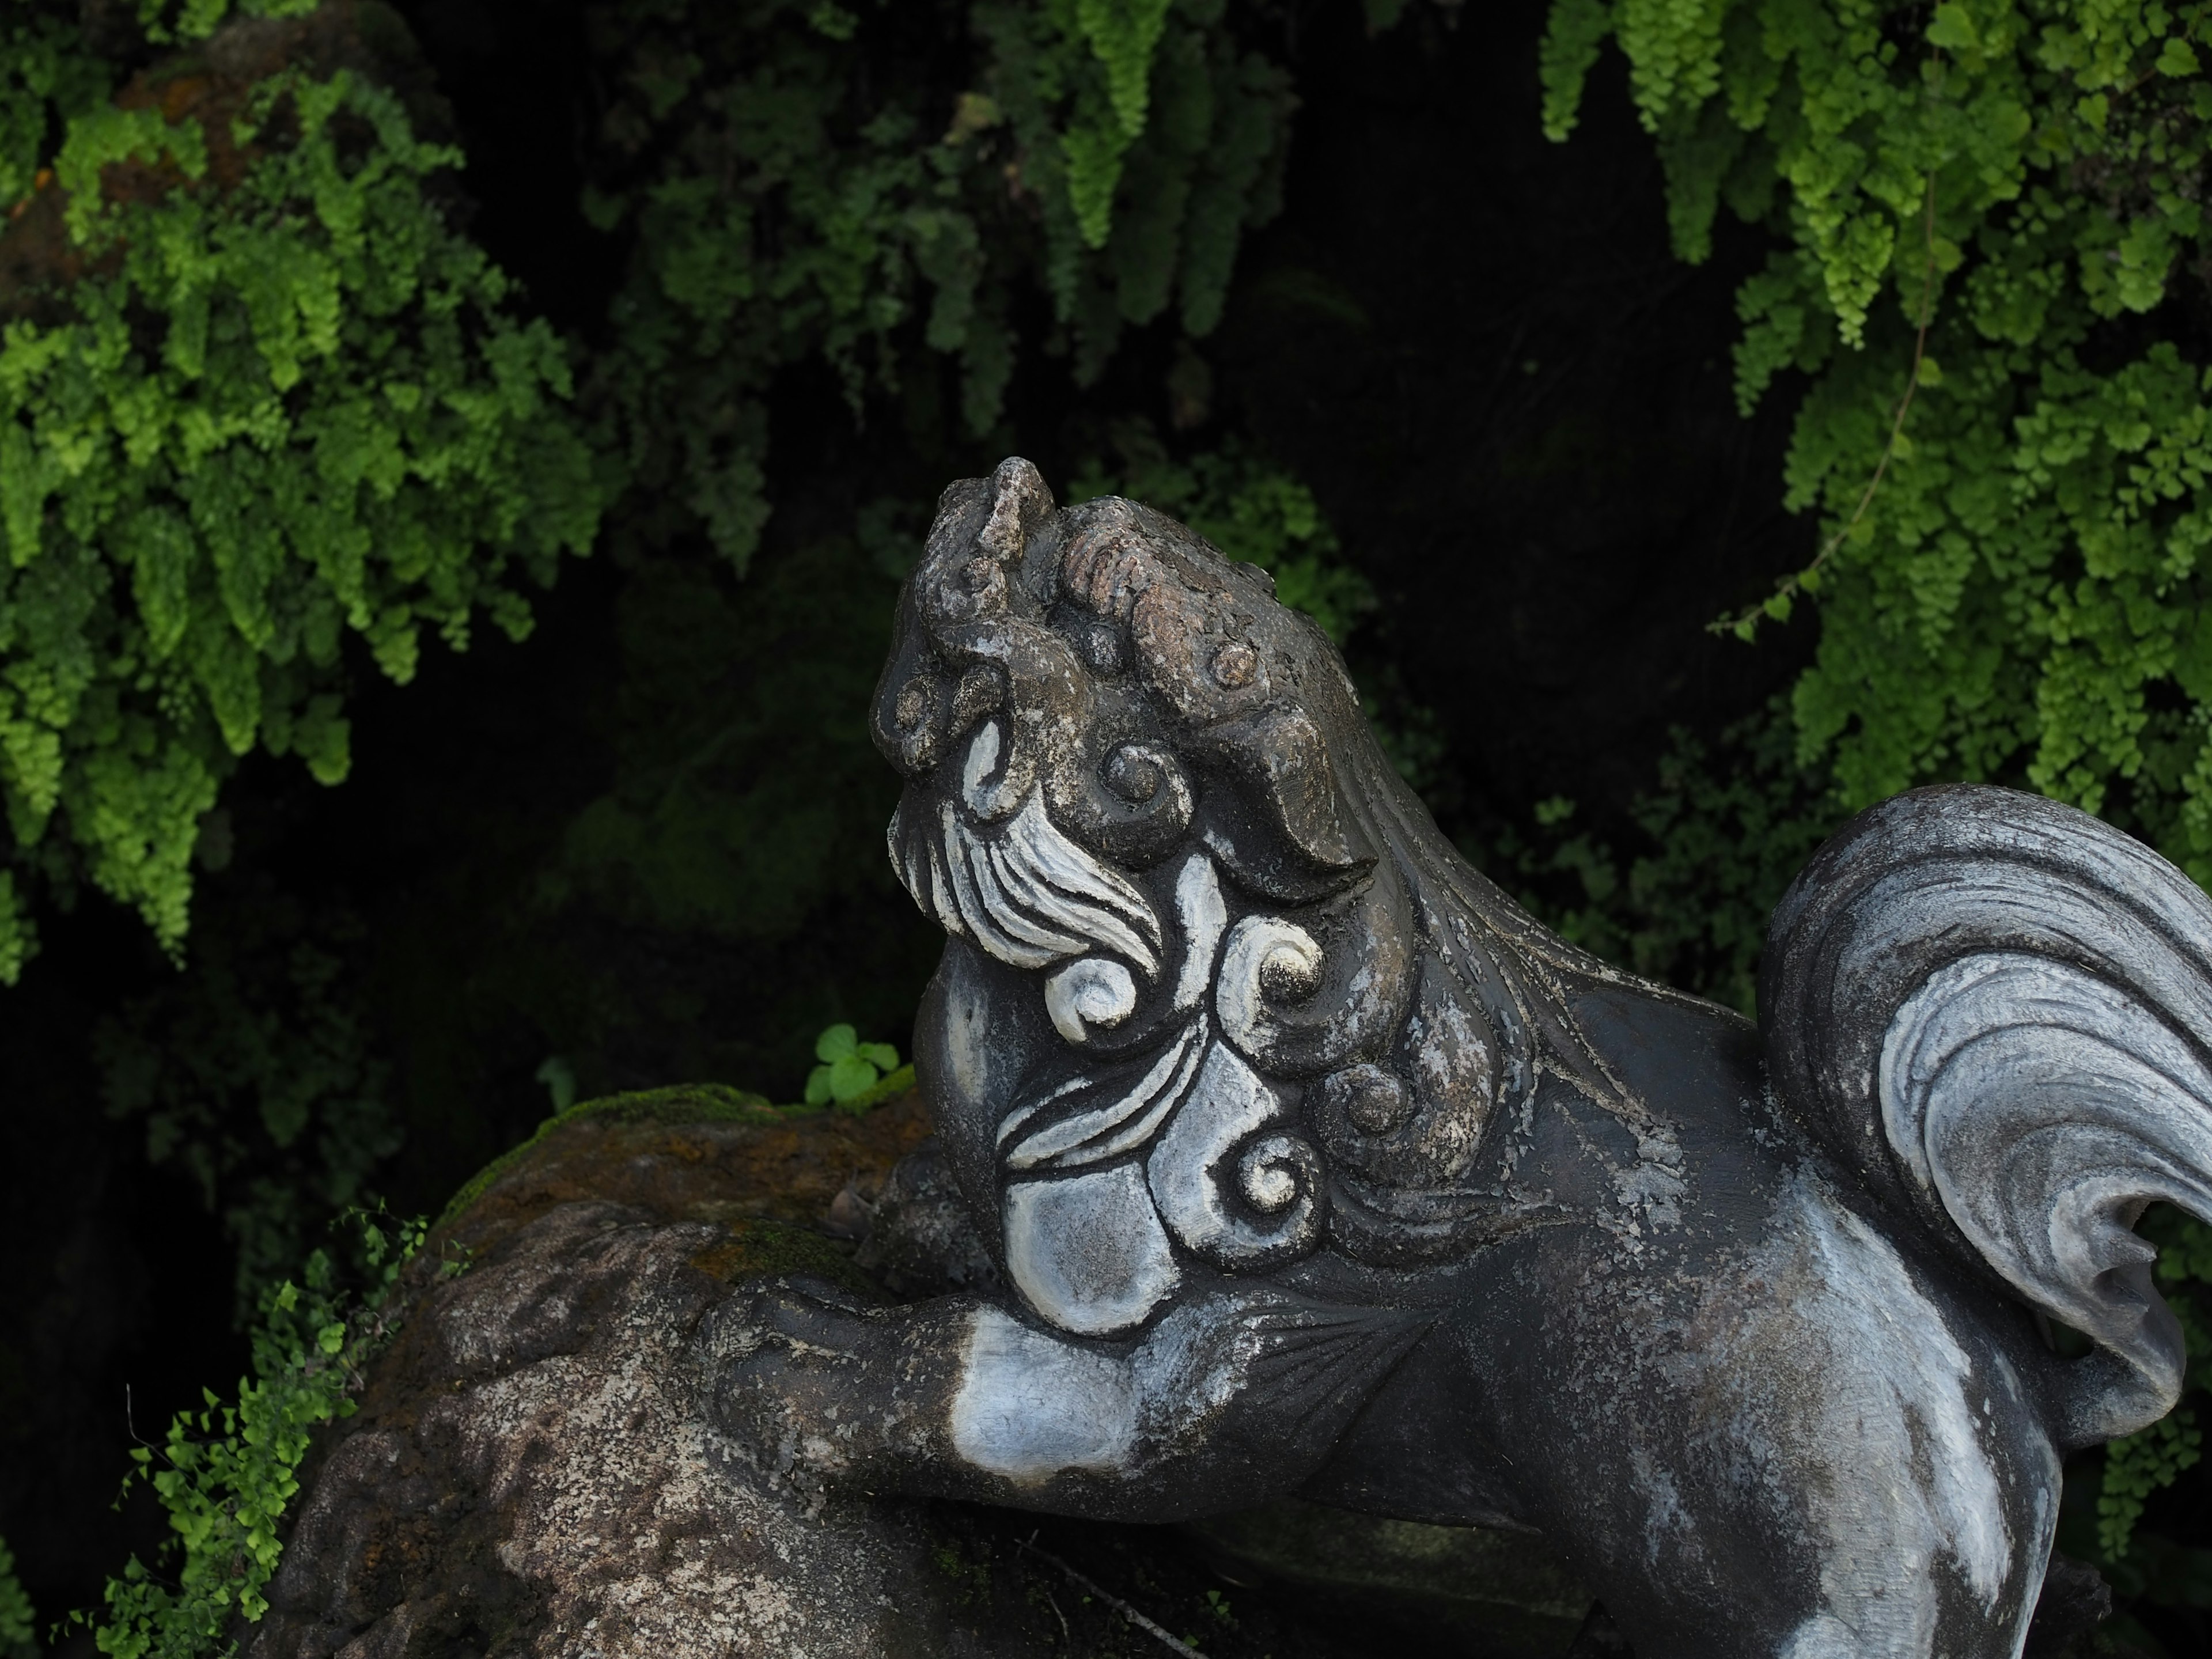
[{"x": 1998, "y": 1010}]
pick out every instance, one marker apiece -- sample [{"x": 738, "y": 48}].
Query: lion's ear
[
  {"x": 1021, "y": 505},
  {"x": 1282, "y": 760}
]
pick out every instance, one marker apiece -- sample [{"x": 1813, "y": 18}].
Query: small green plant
[
  {"x": 559, "y": 1078},
  {"x": 18, "y": 1638},
  {"x": 225, "y": 1474},
  {"x": 849, "y": 1067}
]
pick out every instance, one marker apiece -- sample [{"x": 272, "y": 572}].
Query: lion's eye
[
  {"x": 1235, "y": 665},
  {"x": 914, "y": 704},
  {"x": 1134, "y": 773}
]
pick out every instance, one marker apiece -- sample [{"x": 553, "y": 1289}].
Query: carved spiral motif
[
  {"x": 1235, "y": 1185},
  {"x": 1276, "y": 1175},
  {"x": 1268, "y": 960},
  {"x": 1297, "y": 1008},
  {"x": 1093, "y": 991},
  {"x": 1133, "y": 808},
  {"x": 1277, "y": 1170}
]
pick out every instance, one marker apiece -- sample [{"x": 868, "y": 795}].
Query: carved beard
[
  {"x": 1188, "y": 1141},
  {"x": 1028, "y": 895}
]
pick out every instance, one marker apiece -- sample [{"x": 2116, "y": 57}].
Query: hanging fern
[
  {"x": 255, "y": 395},
  {"x": 1982, "y": 208},
  {"x": 804, "y": 183}
]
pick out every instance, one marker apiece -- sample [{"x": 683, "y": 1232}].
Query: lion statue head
[{"x": 1218, "y": 996}]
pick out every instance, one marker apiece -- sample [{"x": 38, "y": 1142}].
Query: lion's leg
[{"x": 1227, "y": 1399}]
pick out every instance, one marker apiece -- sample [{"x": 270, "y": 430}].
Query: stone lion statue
[{"x": 1315, "y": 1166}]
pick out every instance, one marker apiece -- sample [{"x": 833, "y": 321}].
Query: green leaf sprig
[{"x": 849, "y": 1067}]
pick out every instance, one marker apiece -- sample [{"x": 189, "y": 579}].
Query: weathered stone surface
[
  {"x": 531, "y": 1470},
  {"x": 689, "y": 1154},
  {"x": 565, "y": 1471}
]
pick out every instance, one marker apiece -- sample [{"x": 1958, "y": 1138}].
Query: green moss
[
  {"x": 683, "y": 1102},
  {"x": 967, "y": 1563},
  {"x": 774, "y": 1249}
]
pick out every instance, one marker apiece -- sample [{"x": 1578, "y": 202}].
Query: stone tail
[{"x": 1997, "y": 1011}]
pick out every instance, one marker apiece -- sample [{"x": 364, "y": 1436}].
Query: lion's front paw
[{"x": 803, "y": 1382}]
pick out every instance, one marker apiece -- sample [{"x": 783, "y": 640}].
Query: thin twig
[
  {"x": 1066, "y": 1634},
  {"x": 1160, "y": 1632},
  {"x": 1792, "y": 584}
]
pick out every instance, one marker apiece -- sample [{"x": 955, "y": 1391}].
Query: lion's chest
[{"x": 1102, "y": 1190}]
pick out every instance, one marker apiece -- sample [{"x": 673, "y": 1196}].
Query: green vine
[{"x": 255, "y": 395}]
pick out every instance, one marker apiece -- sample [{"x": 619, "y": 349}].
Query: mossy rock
[
  {"x": 694, "y": 1152},
  {"x": 774, "y": 1249},
  {"x": 683, "y": 1102}
]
